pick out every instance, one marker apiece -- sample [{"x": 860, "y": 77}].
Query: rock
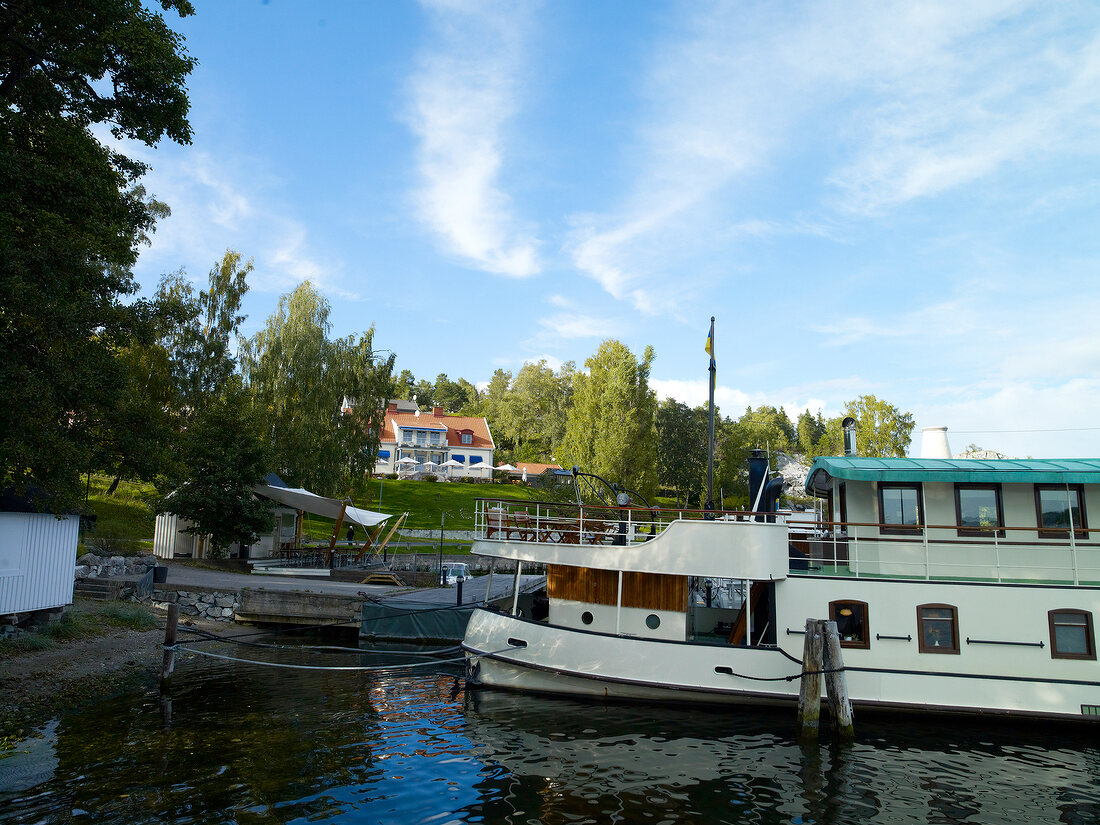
[
  {"x": 207, "y": 598},
  {"x": 224, "y": 601},
  {"x": 82, "y": 571},
  {"x": 89, "y": 560}
]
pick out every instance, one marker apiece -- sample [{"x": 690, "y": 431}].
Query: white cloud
[
  {"x": 572, "y": 325},
  {"x": 891, "y": 103},
  {"x": 464, "y": 93}
]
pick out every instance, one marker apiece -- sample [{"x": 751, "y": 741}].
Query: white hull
[{"x": 1002, "y": 667}]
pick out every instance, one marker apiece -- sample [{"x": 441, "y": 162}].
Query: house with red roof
[{"x": 417, "y": 442}]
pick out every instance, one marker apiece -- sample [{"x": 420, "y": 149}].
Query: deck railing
[
  {"x": 570, "y": 523},
  {"x": 831, "y": 548}
]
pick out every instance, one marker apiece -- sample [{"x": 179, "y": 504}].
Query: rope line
[
  {"x": 361, "y": 668},
  {"x": 211, "y": 637},
  {"x": 787, "y": 678}
]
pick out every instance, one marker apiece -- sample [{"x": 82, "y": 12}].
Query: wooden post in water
[
  {"x": 836, "y": 684},
  {"x": 809, "y": 697},
  {"x": 169, "y": 663}
]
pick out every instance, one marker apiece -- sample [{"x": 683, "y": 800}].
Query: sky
[{"x": 884, "y": 199}]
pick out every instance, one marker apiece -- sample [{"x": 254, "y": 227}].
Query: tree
[
  {"x": 881, "y": 428},
  {"x": 810, "y": 430},
  {"x": 301, "y": 380},
  {"x": 72, "y": 216},
  {"x": 765, "y": 428},
  {"x": 611, "y": 429},
  {"x": 682, "y": 434},
  {"x": 536, "y": 409},
  {"x": 223, "y": 456},
  {"x": 405, "y": 385},
  {"x": 448, "y": 394}
]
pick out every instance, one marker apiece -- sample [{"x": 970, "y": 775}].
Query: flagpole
[{"x": 710, "y": 439}]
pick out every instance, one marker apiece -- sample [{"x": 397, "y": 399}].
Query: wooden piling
[
  {"x": 836, "y": 685},
  {"x": 169, "y": 662},
  {"x": 809, "y": 696}
]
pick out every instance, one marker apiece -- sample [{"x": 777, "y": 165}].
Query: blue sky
[{"x": 888, "y": 199}]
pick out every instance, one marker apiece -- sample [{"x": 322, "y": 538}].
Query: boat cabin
[{"x": 954, "y": 519}]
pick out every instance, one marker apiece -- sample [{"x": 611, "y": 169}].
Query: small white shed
[{"x": 37, "y": 561}]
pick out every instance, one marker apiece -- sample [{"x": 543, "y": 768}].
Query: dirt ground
[{"x": 37, "y": 685}]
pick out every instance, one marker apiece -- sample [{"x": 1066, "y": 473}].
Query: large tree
[
  {"x": 881, "y": 429},
  {"x": 222, "y": 457},
  {"x": 682, "y": 448},
  {"x": 611, "y": 429},
  {"x": 72, "y": 216},
  {"x": 536, "y": 410},
  {"x": 304, "y": 382}
]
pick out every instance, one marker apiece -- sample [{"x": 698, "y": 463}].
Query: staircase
[{"x": 97, "y": 590}]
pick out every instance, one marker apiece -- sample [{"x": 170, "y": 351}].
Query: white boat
[{"x": 960, "y": 586}]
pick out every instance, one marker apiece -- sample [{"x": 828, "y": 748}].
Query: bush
[
  {"x": 430, "y": 477},
  {"x": 391, "y": 476},
  {"x": 468, "y": 480}
]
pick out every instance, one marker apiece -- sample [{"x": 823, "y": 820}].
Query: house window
[
  {"x": 938, "y": 628},
  {"x": 467, "y": 438},
  {"x": 851, "y": 623},
  {"x": 900, "y": 509},
  {"x": 978, "y": 510},
  {"x": 1071, "y": 634},
  {"x": 1055, "y": 506}
]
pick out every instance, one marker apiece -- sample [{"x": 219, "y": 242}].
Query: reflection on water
[{"x": 245, "y": 744}]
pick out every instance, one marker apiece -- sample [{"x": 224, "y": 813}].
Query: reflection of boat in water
[
  {"x": 738, "y": 765},
  {"x": 959, "y": 586}
]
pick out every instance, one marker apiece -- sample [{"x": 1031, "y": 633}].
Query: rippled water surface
[{"x": 241, "y": 743}]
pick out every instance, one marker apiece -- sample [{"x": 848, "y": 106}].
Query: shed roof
[{"x": 1005, "y": 471}]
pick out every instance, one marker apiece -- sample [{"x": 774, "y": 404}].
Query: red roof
[
  {"x": 534, "y": 469},
  {"x": 478, "y": 427}
]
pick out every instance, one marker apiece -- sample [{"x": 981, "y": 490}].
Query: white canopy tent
[{"x": 301, "y": 499}]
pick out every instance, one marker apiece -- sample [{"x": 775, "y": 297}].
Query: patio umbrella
[
  {"x": 450, "y": 462},
  {"x": 406, "y": 460},
  {"x": 506, "y": 468}
]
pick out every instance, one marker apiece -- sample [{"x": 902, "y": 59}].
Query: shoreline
[{"x": 38, "y": 685}]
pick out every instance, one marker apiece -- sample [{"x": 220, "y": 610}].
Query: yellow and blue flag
[{"x": 710, "y": 343}]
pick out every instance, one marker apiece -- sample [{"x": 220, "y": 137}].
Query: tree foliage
[
  {"x": 682, "y": 434},
  {"x": 881, "y": 429},
  {"x": 301, "y": 380},
  {"x": 223, "y": 456},
  {"x": 72, "y": 216},
  {"x": 611, "y": 429}
]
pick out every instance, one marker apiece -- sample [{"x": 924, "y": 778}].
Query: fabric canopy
[{"x": 301, "y": 499}]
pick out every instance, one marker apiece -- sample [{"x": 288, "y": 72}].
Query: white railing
[
  {"x": 947, "y": 552},
  {"x": 844, "y": 549}
]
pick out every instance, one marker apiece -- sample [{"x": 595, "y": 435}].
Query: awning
[
  {"x": 383, "y": 453},
  {"x": 953, "y": 470},
  {"x": 301, "y": 499}
]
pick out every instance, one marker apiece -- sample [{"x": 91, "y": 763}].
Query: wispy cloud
[
  {"x": 464, "y": 93},
  {"x": 890, "y": 104}
]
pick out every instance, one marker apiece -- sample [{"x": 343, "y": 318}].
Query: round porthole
[
  {"x": 652, "y": 621},
  {"x": 586, "y": 617}
]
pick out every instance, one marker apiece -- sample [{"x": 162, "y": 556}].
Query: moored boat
[{"x": 960, "y": 586}]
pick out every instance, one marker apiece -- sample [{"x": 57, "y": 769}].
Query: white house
[{"x": 437, "y": 438}]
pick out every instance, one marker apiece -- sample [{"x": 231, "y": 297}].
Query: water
[{"x": 244, "y": 744}]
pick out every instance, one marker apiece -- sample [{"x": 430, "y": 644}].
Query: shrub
[
  {"x": 468, "y": 480},
  {"x": 391, "y": 476},
  {"x": 431, "y": 477}
]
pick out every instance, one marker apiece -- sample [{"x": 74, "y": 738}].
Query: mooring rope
[
  {"x": 212, "y": 637},
  {"x": 362, "y": 668}
]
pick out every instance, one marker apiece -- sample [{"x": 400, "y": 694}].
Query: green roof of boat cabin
[{"x": 972, "y": 470}]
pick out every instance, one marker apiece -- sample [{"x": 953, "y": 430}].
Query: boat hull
[{"x": 518, "y": 654}]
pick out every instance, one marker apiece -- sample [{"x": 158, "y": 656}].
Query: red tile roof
[
  {"x": 534, "y": 469},
  {"x": 478, "y": 428}
]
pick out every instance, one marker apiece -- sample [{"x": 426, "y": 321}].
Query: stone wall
[
  {"x": 91, "y": 566},
  {"x": 213, "y": 606}
]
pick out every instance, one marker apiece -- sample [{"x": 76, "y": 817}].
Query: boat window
[
  {"x": 652, "y": 621},
  {"x": 978, "y": 510},
  {"x": 586, "y": 617},
  {"x": 938, "y": 628},
  {"x": 851, "y": 623},
  {"x": 900, "y": 509},
  {"x": 1071, "y": 634},
  {"x": 1055, "y": 506}
]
